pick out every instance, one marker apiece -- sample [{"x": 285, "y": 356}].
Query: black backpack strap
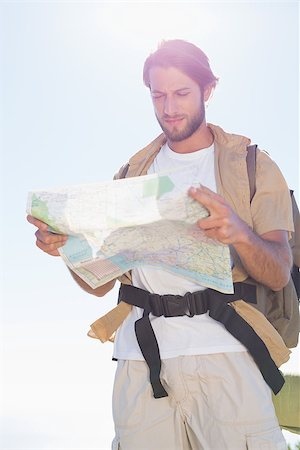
[
  {"x": 295, "y": 245},
  {"x": 214, "y": 302},
  {"x": 123, "y": 171},
  {"x": 251, "y": 168}
]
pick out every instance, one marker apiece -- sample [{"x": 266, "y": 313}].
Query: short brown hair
[{"x": 183, "y": 56}]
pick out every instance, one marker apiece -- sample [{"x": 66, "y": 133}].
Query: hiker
[{"x": 201, "y": 378}]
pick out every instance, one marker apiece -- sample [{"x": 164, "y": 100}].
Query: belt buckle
[{"x": 173, "y": 305}]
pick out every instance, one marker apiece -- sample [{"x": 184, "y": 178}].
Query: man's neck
[{"x": 202, "y": 138}]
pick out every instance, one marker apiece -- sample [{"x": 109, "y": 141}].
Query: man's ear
[{"x": 208, "y": 92}]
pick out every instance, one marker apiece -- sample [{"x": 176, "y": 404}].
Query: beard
[{"x": 193, "y": 123}]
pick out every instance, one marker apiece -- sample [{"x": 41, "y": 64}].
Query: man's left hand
[{"x": 223, "y": 224}]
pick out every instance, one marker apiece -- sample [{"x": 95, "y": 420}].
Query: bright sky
[{"x": 74, "y": 109}]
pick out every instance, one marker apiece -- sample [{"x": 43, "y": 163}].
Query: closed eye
[{"x": 156, "y": 96}]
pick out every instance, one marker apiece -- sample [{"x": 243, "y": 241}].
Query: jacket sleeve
[{"x": 271, "y": 206}]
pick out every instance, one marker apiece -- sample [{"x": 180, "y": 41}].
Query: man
[{"x": 209, "y": 393}]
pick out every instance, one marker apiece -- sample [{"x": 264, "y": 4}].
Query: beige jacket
[{"x": 233, "y": 184}]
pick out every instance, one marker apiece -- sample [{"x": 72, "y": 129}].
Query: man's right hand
[
  {"x": 45, "y": 240},
  {"x": 50, "y": 243}
]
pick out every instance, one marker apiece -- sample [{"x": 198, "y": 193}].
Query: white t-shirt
[{"x": 176, "y": 336}]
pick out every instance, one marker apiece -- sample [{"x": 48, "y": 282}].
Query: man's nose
[{"x": 170, "y": 106}]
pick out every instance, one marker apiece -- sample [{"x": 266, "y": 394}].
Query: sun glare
[{"x": 145, "y": 24}]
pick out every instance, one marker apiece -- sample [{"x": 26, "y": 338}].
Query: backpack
[{"x": 281, "y": 308}]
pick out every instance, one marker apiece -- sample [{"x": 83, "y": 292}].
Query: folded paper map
[{"x": 116, "y": 226}]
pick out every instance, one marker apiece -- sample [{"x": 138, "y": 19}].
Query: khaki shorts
[{"x": 215, "y": 402}]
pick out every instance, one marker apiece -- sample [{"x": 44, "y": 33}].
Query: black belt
[{"x": 209, "y": 300}]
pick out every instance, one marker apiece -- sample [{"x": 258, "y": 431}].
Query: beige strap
[{"x": 105, "y": 327}]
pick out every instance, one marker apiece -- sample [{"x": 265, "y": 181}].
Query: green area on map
[
  {"x": 39, "y": 210},
  {"x": 157, "y": 186}
]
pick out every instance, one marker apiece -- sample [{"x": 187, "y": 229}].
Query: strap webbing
[
  {"x": 220, "y": 311},
  {"x": 149, "y": 348},
  {"x": 244, "y": 333},
  {"x": 251, "y": 168}
]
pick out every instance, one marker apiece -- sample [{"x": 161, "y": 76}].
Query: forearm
[
  {"x": 265, "y": 260},
  {"x": 98, "y": 292}
]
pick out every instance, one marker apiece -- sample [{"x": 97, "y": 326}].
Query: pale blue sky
[{"x": 73, "y": 109}]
